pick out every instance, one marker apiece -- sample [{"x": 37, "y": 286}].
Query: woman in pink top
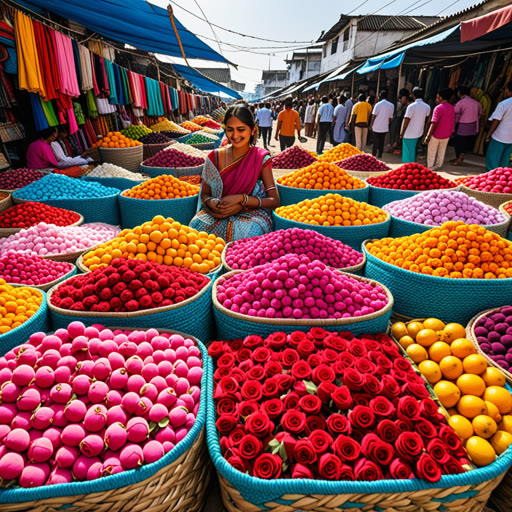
[
  {"x": 441, "y": 129},
  {"x": 39, "y": 153}
]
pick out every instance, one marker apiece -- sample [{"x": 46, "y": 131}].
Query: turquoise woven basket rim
[
  {"x": 20, "y": 495},
  {"x": 67, "y": 199},
  {"x": 168, "y": 170},
  {"x": 134, "y": 200},
  {"x": 327, "y": 191}
]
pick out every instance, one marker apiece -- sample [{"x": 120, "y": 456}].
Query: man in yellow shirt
[
  {"x": 360, "y": 121},
  {"x": 288, "y": 121}
]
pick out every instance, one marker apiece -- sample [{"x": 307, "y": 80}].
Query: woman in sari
[{"x": 238, "y": 190}]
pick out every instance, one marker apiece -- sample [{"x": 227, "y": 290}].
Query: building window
[
  {"x": 325, "y": 51},
  {"x": 334, "y": 46},
  {"x": 346, "y": 36}
]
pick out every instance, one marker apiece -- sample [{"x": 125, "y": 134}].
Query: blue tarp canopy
[
  {"x": 380, "y": 63},
  {"x": 204, "y": 83},
  {"x": 133, "y": 22}
]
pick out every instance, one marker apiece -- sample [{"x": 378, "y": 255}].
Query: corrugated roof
[{"x": 222, "y": 75}]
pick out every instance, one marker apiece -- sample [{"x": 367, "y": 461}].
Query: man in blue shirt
[
  {"x": 323, "y": 123},
  {"x": 265, "y": 123}
]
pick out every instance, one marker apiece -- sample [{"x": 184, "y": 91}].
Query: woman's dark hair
[
  {"x": 242, "y": 113},
  {"x": 47, "y": 132}
]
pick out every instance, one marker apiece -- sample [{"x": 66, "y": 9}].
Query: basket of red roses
[{"x": 326, "y": 421}]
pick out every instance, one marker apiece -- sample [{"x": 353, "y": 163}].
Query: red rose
[
  {"x": 310, "y": 404},
  {"x": 408, "y": 408},
  {"x": 339, "y": 368},
  {"x": 299, "y": 387},
  {"x": 284, "y": 382},
  {"x": 236, "y": 345},
  {"x": 357, "y": 348},
  {"x": 246, "y": 408},
  {"x": 220, "y": 373},
  {"x": 400, "y": 470},
  {"x": 390, "y": 387},
  {"x": 216, "y": 349},
  {"x": 276, "y": 341},
  {"x": 267, "y": 466},
  {"x": 271, "y": 388},
  {"x": 450, "y": 438},
  {"x": 261, "y": 355},
  {"x": 428, "y": 469},
  {"x": 259, "y": 424},
  {"x": 438, "y": 451},
  {"x": 291, "y": 400},
  {"x": 238, "y": 375},
  {"x": 399, "y": 375},
  {"x": 361, "y": 417},
  {"x": 377, "y": 450},
  {"x": 329, "y": 356},
  {"x": 323, "y": 373},
  {"x": 425, "y": 429},
  {"x": 329, "y": 466},
  {"x": 293, "y": 421},
  {"x": 289, "y": 357},
  {"x": 452, "y": 467},
  {"x": 342, "y": 398},
  {"x": 391, "y": 351},
  {"x": 372, "y": 385},
  {"x": 273, "y": 408},
  {"x": 338, "y": 424},
  {"x": 238, "y": 463},
  {"x": 305, "y": 348},
  {"x": 362, "y": 399},
  {"x": 301, "y": 370},
  {"x": 253, "y": 341},
  {"x": 250, "y": 447},
  {"x": 371, "y": 345},
  {"x": 256, "y": 373},
  {"x": 225, "y": 424},
  {"x": 382, "y": 407},
  {"x": 236, "y": 436},
  {"x": 318, "y": 334},
  {"x": 246, "y": 365},
  {"x": 346, "y": 473},
  {"x": 367, "y": 470},
  {"x": 272, "y": 368},
  {"x": 301, "y": 471},
  {"x": 346, "y": 448},
  {"x": 316, "y": 422},
  {"x": 336, "y": 342},
  {"x": 226, "y": 360},
  {"x": 314, "y": 360},
  {"x": 227, "y": 385},
  {"x": 353, "y": 379},
  {"x": 400, "y": 363},
  {"x": 404, "y": 425},
  {"x": 304, "y": 452},
  {"x": 347, "y": 359},
  {"x": 383, "y": 362},
  {"x": 226, "y": 406},
  {"x": 325, "y": 390},
  {"x": 321, "y": 440},
  {"x": 296, "y": 337},
  {"x": 417, "y": 390},
  {"x": 387, "y": 431},
  {"x": 428, "y": 408},
  {"x": 409, "y": 445},
  {"x": 289, "y": 443},
  {"x": 252, "y": 390},
  {"x": 364, "y": 365}
]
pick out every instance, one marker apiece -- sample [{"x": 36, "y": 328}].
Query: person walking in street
[
  {"x": 349, "y": 104},
  {"x": 414, "y": 125},
  {"x": 338, "y": 121},
  {"x": 394, "y": 132},
  {"x": 323, "y": 123},
  {"x": 500, "y": 133},
  {"x": 468, "y": 113},
  {"x": 316, "y": 106},
  {"x": 265, "y": 124},
  {"x": 309, "y": 119},
  {"x": 382, "y": 115},
  {"x": 441, "y": 128},
  {"x": 287, "y": 122},
  {"x": 360, "y": 121}
]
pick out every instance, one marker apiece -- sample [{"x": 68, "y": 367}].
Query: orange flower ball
[
  {"x": 339, "y": 152},
  {"x": 162, "y": 187},
  {"x": 116, "y": 140},
  {"x": 189, "y": 125},
  {"x": 17, "y": 305}
]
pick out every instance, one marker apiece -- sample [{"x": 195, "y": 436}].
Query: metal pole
[
  {"x": 378, "y": 83},
  {"x": 352, "y": 89},
  {"x": 398, "y": 83}
]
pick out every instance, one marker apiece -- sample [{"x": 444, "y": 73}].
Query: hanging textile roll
[
  {"x": 119, "y": 85},
  {"x": 39, "y": 118},
  {"x": 49, "y": 113},
  {"x": 135, "y": 87},
  {"x": 91, "y": 105},
  {"x": 78, "y": 69},
  {"x": 126, "y": 85},
  {"x": 174, "y": 98},
  {"x": 143, "y": 92},
  {"x": 47, "y": 60},
  {"x": 77, "y": 108},
  {"x": 85, "y": 68},
  {"x": 96, "y": 87},
  {"x": 112, "y": 99},
  {"x": 68, "y": 80}
]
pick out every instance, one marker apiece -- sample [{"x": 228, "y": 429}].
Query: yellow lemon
[
  {"x": 447, "y": 392},
  {"x": 414, "y": 328},
  {"x": 439, "y": 350},
  {"x": 426, "y": 337},
  {"x": 500, "y": 397},
  {"x": 462, "y": 348},
  {"x": 417, "y": 353},
  {"x": 461, "y": 425},
  {"x": 451, "y": 367},
  {"x": 484, "y": 426},
  {"x": 471, "y": 406},
  {"x": 493, "y": 412},
  {"x": 434, "y": 324},
  {"x": 475, "y": 363},
  {"x": 501, "y": 441},
  {"x": 406, "y": 341},
  {"x": 480, "y": 451},
  {"x": 506, "y": 423},
  {"x": 398, "y": 330},
  {"x": 470, "y": 384},
  {"x": 430, "y": 371},
  {"x": 451, "y": 332},
  {"x": 493, "y": 377}
]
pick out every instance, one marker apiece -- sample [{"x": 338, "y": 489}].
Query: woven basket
[
  {"x": 119, "y": 183},
  {"x": 173, "y": 171},
  {"x": 6, "y": 203},
  {"x": 381, "y": 196},
  {"x": 127, "y": 158},
  {"x": 363, "y": 175},
  {"x": 423, "y": 296},
  {"x": 470, "y": 329},
  {"x": 204, "y": 145},
  {"x": 184, "y": 138},
  {"x": 135, "y": 212},
  {"x": 37, "y": 322},
  {"x": 291, "y": 195},
  {"x": 502, "y": 210},
  {"x": 192, "y": 316},
  {"x": 93, "y": 209},
  {"x": 232, "y": 325},
  {"x": 178, "y": 482},
  {"x": 150, "y": 150},
  {"x": 356, "y": 269},
  {"x": 5, "y": 232},
  {"x": 490, "y": 198},
  {"x": 352, "y": 236},
  {"x": 501, "y": 498}
]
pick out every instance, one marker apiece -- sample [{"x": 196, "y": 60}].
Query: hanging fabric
[
  {"x": 78, "y": 69},
  {"x": 68, "y": 80},
  {"x": 113, "y": 99},
  {"x": 85, "y": 68},
  {"x": 92, "y": 110},
  {"x": 48, "y": 60},
  {"x": 49, "y": 113},
  {"x": 40, "y": 120},
  {"x": 119, "y": 85},
  {"x": 96, "y": 87}
]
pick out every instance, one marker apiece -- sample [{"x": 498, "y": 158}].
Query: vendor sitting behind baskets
[{"x": 238, "y": 189}]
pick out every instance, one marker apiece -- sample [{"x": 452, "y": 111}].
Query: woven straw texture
[
  {"x": 93, "y": 209},
  {"x": 119, "y": 183},
  {"x": 470, "y": 329},
  {"x": 38, "y": 322},
  {"x": 204, "y": 145},
  {"x": 127, "y": 158},
  {"x": 363, "y": 175},
  {"x": 467, "y": 492},
  {"x": 192, "y": 316},
  {"x": 353, "y": 236},
  {"x": 150, "y": 150},
  {"x": 135, "y": 212},
  {"x": 490, "y": 198},
  {"x": 291, "y": 195},
  {"x": 232, "y": 325},
  {"x": 423, "y": 296},
  {"x": 6, "y": 203},
  {"x": 173, "y": 171},
  {"x": 502, "y": 209},
  {"x": 5, "y": 232},
  {"x": 177, "y": 482},
  {"x": 501, "y": 498}
]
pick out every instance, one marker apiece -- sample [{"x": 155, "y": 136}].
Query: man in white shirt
[
  {"x": 323, "y": 122},
  {"x": 60, "y": 151},
  {"x": 500, "y": 133},
  {"x": 309, "y": 119},
  {"x": 265, "y": 123},
  {"x": 414, "y": 125},
  {"x": 381, "y": 118}
]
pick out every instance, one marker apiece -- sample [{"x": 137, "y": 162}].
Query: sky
[{"x": 297, "y": 22}]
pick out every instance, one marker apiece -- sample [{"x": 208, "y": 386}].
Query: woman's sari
[{"x": 240, "y": 177}]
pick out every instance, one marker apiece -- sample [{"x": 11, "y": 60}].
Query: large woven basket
[
  {"x": 119, "y": 183},
  {"x": 37, "y": 322},
  {"x": 490, "y": 198},
  {"x": 204, "y": 145},
  {"x": 192, "y": 316},
  {"x": 93, "y": 209},
  {"x": 184, "y": 138},
  {"x": 150, "y": 150},
  {"x": 363, "y": 175},
  {"x": 423, "y": 296},
  {"x": 231, "y": 325},
  {"x": 381, "y": 196},
  {"x": 353, "y": 236},
  {"x": 501, "y": 498},
  {"x": 135, "y": 212},
  {"x": 127, "y": 158},
  {"x": 291, "y": 195},
  {"x": 173, "y": 171},
  {"x": 177, "y": 482},
  {"x": 5, "y": 232},
  {"x": 6, "y": 203},
  {"x": 502, "y": 209},
  {"x": 356, "y": 269}
]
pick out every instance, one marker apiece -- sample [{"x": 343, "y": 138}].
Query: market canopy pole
[{"x": 171, "y": 17}]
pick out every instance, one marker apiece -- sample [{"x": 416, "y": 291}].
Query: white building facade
[{"x": 304, "y": 64}]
